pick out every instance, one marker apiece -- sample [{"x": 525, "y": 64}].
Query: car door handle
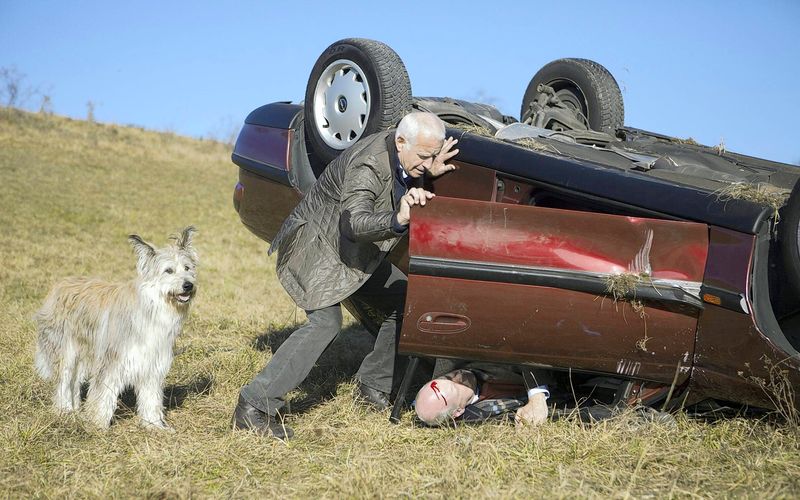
[{"x": 443, "y": 323}]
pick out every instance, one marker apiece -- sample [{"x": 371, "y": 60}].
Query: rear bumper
[{"x": 273, "y": 167}]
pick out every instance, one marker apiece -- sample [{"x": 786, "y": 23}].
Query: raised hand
[{"x": 440, "y": 165}]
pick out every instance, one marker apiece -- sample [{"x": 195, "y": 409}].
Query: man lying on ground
[{"x": 481, "y": 391}]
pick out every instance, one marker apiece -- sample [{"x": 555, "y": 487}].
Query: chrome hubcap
[{"x": 341, "y": 104}]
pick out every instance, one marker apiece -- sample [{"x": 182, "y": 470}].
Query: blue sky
[{"x": 707, "y": 70}]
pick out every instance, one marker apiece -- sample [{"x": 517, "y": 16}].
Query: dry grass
[
  {"x": 472, "y": 128},
  {"x": 70, "y": 193},
  {"x": 689, "y": 140},
  {"x": 530, "y": 143},
  {"x": 621, "y": 284},
  {"x": 762, "y": 194}
]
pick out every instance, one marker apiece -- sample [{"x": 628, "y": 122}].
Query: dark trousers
[{"x": 385, "y": 291}]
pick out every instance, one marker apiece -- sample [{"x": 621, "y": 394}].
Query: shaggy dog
[{"x": 116, "y": 335}]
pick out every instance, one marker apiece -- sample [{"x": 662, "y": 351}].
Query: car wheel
[
  {"x": 356, "y": 88},
  {"x": 585, "y": 87},
  {"x": 789, "y": 234}
]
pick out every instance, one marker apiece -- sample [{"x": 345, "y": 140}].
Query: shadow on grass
[
  {"x": 174, "y": 395},
  {"x": 339, "y": 363}
]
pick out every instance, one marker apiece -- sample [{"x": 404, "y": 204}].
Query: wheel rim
[
  {"x": 342, "y": 104},
  {"x": 570, "y": 94}
]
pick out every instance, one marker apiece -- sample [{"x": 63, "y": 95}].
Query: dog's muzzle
[{"x": 187, "y": 294}]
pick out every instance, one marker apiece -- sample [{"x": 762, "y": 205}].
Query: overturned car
[{"x": 659, "y": 270}]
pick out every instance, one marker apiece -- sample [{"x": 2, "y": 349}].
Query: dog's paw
[
  {"x": 63, "y": 409},
  {"x": 100, "y": 423},
  {"x": 159, "y": 426}
]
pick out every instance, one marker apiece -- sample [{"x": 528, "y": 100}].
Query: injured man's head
[{"x": 441, "y": 400}]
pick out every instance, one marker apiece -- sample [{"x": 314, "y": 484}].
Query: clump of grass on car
[
  {"x": 530, "y": 143},
  {"x": 762, "y": 194},
  {"x": 620, "y": 285},
  {"x": 472, "y": 128}
]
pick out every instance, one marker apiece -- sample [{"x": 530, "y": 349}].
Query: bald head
[{"x": 440, "y": 400}]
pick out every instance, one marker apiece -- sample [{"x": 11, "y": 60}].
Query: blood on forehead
[{"x": 435, "y": 389}]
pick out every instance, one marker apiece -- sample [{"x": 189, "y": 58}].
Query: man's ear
[
  {"x": 458, "y": 413},
  {"x": 400, "y": 142}
]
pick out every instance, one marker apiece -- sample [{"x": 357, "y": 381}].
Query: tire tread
[
  {"x": 609, "y": 96},
  {"x": 394, "y": 86}
]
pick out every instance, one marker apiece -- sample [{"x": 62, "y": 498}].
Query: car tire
[
  {"x": 789, "y": 236},
  {"x": 356, "y": 88},
  {"x": 584, "y": 84}
]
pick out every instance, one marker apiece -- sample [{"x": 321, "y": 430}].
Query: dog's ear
[
  {"x": 184, "y": 241},
  {"x": 144, "y": 250}
]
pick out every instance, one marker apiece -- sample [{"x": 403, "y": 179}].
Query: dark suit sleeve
[{"x": 358, "y": 220}]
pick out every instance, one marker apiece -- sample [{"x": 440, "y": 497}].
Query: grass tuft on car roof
[
  {"x": 530, "y": 143},
  {"x": 762, "y": 194},
  {"x": 689, "y": 140},
  {"x": 472, "y": 128}
]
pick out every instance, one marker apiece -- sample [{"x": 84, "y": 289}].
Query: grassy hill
[{"x": 71, "y": 192}]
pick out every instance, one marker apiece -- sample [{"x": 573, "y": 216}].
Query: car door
[{"x": 558, "y": 288}]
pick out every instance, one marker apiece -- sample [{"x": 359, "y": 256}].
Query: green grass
[{"x": 72, "y": 191}]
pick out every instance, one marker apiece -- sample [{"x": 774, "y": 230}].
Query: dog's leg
[
  {"x": 104, "y": 389},
  {"x": 150, "y": 403},
  {"x": 63, "y": 399},
  {"x": 77, "y": 381}
]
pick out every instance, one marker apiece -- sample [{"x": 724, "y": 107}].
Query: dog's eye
[{"x": 169, "y": 270}]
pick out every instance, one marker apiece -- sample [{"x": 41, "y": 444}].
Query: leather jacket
[{"x": 334, "y": 239}]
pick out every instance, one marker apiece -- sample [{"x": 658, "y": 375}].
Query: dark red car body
[{"x": 513, "y": 260}]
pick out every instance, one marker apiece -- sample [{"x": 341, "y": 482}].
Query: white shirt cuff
[{"x": 542, "y": 389}]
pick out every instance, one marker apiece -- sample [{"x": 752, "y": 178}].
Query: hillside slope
[{"x": 70, "y": 193}]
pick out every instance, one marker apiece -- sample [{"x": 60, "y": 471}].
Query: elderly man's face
[{"x": 417, "y": 157}]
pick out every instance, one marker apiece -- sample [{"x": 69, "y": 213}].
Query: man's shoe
[
  {"x": 248, "y": 417},
  {"x": 373, "y": 397}
]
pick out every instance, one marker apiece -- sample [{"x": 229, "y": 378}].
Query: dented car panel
[
  {"x": 500, "y": 282},
  {"x": 535, "y": 237}
]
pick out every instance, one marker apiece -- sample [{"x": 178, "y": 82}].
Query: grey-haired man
[{"x": 333, "y": 246}]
